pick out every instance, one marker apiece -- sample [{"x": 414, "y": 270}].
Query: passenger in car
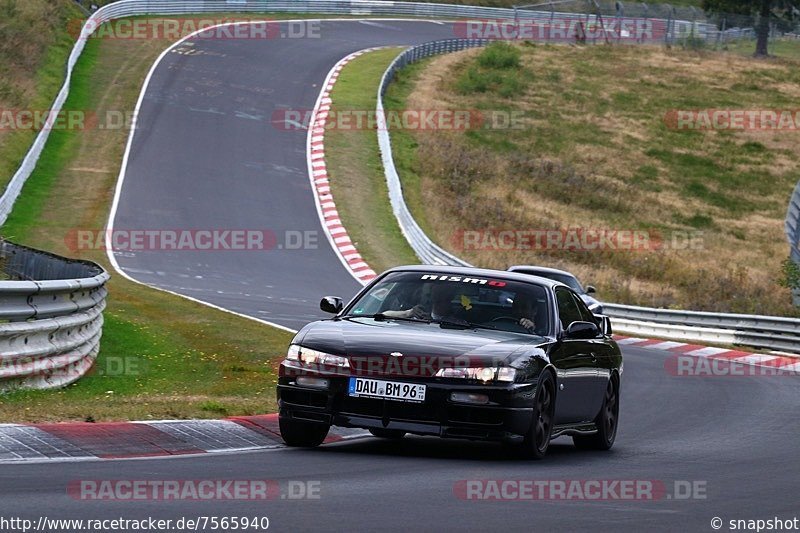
[{"x": 441, "y": 298}]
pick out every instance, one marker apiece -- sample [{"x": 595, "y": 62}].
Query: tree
[{"x": 783, "y": 12}]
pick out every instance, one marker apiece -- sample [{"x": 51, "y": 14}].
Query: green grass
[
  {"x": 597, "y": 150},
  {"x": 33, "y": 54},
  {"x": 147, "y": 372},
  {"x": 60, "y": 148},
  {"x": 200, "y": 362},
  {"x": 496, "y": 70},
  {"x": 499, "y": 56},
  {"x": 190, "y": 362},
  {"x": 782, "y": 48},
  {"x": 356, "y": 173}
]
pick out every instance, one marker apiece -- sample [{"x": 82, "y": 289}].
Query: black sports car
[{"x": 455, "y": 352}]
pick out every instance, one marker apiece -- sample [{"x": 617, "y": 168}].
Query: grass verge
[
  {"x": 594, "y": 149},
  {"x": 34, "y": 46},
  {"x": 353, "y": 160},
  {"x": 161, "y": 356},
  {"x": 779, "y": 48}
]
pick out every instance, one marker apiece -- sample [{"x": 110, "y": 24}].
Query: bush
[
  {"x": 694, "y": 42},
  {"x": 790, "y": 274},
  {"x": 499, "y": 56},
  {"x": 497, "y": 70},
  {"x": 474, "y": 80}
]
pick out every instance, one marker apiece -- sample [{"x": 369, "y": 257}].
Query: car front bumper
[{"x": 507, "y": 416}]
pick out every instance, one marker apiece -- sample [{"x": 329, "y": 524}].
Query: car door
[
  {"x": 577, "y": 371},
  {"x": 600, "y": 353}
]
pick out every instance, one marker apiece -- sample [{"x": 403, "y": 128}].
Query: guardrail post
[
  {"x": 792, "y": 229},
  {"x": 645, "y": 7},
  {"x": 670, "y": 25},
  {"x": 600, "y": 21},
  {"x": 721, "y": 35}
]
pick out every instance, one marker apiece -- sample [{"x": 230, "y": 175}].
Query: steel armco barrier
[
  {"x": 127, "y": 8},
  {"x": 51, "y": 308},
  {"x": 792, "y": 227},
  {"x": 88, "y": 321},
  {"x": 774, "y": 333},
  {"x": 426, "y": 249}
]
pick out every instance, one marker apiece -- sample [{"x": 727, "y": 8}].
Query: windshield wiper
[
  {"x": 381, "y": 316},
  {"x": 460, "y": 323}
]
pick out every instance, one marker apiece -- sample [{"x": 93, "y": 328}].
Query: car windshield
[
  {"x": 457, "y": 300},
  {"x": 566, "y": 279}
]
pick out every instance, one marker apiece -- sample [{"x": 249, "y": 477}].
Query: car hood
[
  {"x": 589, "y": 300},
  {"x": 369, "y": 338}
]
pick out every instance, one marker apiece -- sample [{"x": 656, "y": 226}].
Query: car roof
[
  {"x": 472, "y": 271},
  {"x": 520, "y": 268}
]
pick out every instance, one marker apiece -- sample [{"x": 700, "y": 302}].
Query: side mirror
[
  {"x": 331, "y": 304},
  {"x": 590, "y": 289},
  {"x": 582, "y": 330}
]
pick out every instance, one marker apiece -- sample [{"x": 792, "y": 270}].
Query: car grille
[
  {"x": 304, "y": 397},
  {"x": 478, "y": 416},
  {"x": 417, "y": 412}
]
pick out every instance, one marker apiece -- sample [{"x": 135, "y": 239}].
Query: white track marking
[{"x": 121, "y": 178}]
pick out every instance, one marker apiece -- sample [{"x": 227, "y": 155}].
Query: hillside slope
[
  {"x": 597, "y": 149},
  {"x": 35, "y": 42}
]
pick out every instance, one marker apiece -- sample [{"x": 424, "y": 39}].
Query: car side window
[
  {"x": 568, "y": 311},
  {"x": 586, "y": 315}
]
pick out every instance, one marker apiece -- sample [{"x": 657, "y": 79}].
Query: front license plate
[{"x": 388, "y": 390}]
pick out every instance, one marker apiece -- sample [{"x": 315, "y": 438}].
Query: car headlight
[
  {"x": 307, "y": 356},
  {"x": 485, "y": 374}
]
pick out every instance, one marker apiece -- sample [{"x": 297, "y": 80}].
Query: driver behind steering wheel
[{"x": 523, "y": 308}]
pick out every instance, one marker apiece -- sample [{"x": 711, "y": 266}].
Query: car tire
[
  {"x": 537, "y": 441},
  {"x": 607, "y": 421},
  {"x": 301, "y": 433},
  {"x": 391, "y": 434}
]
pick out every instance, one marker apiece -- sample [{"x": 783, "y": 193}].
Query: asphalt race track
[
  {"x": 198, "y": 162},
  {"x": 736, "y": 434},
  {"x": 208, "y": 154}
]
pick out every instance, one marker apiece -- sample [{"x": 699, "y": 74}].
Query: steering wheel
[
  {"x": 514, "y": 321},
  {"x": 505, "y": 318}
]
